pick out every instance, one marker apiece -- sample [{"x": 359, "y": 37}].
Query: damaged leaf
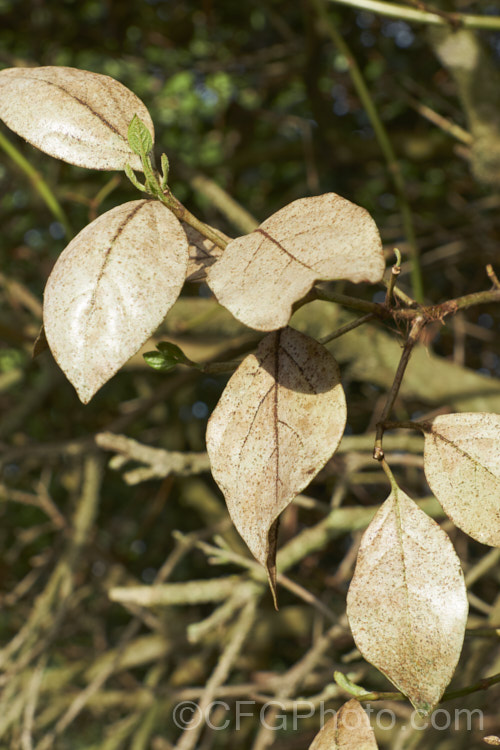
[
  {"x": 73, "y": 115},
  {"x": 349, "y": 729},
  {"x": 260, "y": 276},
  {"x": 462, "y": 467},
  {"x": 407, "y": 602},
  {"x": 111, "y": 288},
  {"x": 279, "y": 420}
]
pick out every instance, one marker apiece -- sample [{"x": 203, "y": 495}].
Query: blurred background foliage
[{"x": 257, "y": 98}]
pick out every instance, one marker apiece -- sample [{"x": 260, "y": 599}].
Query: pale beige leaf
[
  {"x": 261, "y": 275},
  {"x": 202, "y": 253},
  {"x": 462, "y": 466},
  {"x": 349, "y": 729},
  {"x": 111, "y": 288},
  {"x": 407, "y": 603},
  {"x": 74, "y": 115},
  {"x": 280, "y": 418}
]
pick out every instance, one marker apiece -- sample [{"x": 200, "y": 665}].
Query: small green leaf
[
  {"x": 133, "y": 179},
  {"x": 172, "y": 352},
  {"x": 165, "y": 166},
  {"x": 139, "y": 137},
  {"x": 350, "y": 687},
  {"x": 167, "y": 357},
  {"x": 158, "y": 362}
]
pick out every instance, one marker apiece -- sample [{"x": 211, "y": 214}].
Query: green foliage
[{"x": 167, "y": 357}]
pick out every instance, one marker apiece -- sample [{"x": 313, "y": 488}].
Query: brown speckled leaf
[
  {"x": 280, "y": 418},
  {"x": 349, "y": 729},
  {"x": 462, "y": 466},
  {"x": 407, "y": 603},
  {"x": 111, "y": 288},
  {"x": 261, "y": 275},
  {"x": 74, "y": 115},
  {"x": 202, "y": 253}
]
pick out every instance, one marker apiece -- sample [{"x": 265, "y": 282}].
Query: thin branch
[
  {"x": 494, "y": 278},
  {"x": 226, "y": 662},
  {"x": 182, "y": 213},
  {"x": 447, "y": 126},
  {"x": 231, "y": 209},
  {"x": 323, "y": 292},
  {"x": 329, "y": 28},
  {"x": 416, "y": 329},
  {"x": 186, "y": 592},
  {"x": 395, "y": 272},
  {"x": 364, "y": 695},
  {"x": 36, "y": 179},
  {"x": 348, "y": 327},
  {"x": 394, "y": 10},
  {"x": 158, "y": 462}
]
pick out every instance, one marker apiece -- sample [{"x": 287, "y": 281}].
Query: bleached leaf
[
  {"x": 74, "y": 115},
  {"x": 111, "y": 288},
  {"x": 280, "y": 418},
  {"x": 202, "y": 253},
  {"x": 462, "y": 467},
  {"x": 349, "y": 729},
  {"x": 261, "y": 275},
  {"x": 407, "y": 603}
]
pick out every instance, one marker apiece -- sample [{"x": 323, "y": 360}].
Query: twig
[
  {"x": 187, "y": 592},
  {"x": 183, "y": 214},
  {"x": 197, "y": 631},
  {"x": 324, "y": 292},
  {"x": 416, "y": 329},
  {"x": 383, "y": 139},
  {"x": 292, "y": 679},
  {"x": 340, "y": 521},
  {"x": 36, "y": 179},
  {"x": 31, "y": 702},
  {"x": 364, "y": 695},
  {"x": 395, "y": 272},
  {"x": 483, "y": 684},
  {"x": 483, "y": 566},
  {"x": 306, "y": 596},
  {"x": 494, "y": 278},
  {"x": 393, "y": 10},
  {"x": 348, "y": 327},
  {"x": 226, "y": 204},
  {"x": 158, "y": 462},
  {"x": 447, "y": 126},
  {"x": 226, "y": 662}
]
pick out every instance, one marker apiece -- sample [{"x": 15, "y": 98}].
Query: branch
[
  {"x": 182, "y": 213},
  {"x": 421, "y": 16},
  {"x": 158, "y": 462},
  {"x": 225, "y": 203},
  {"x": 228, "y": 657},
  {"x": 328, "y": 27},
  {"x": 36, "y": 179},
  {"x": 168, "y": 594},
  {"x": 416, "y": 329}
]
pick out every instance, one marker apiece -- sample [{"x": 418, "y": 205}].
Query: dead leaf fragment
[
  {"x": 111, "y": 288},
  {"x": 462, "y": 467},
  {"x": 349, "y": 729},
  {"x": 202, "y": 253},
  {"x": 261, "y": 275},
  {"x": 73, "y": 115},
  {"x": 278, "y": 421},
  {"x": 407, "y": 603}
]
